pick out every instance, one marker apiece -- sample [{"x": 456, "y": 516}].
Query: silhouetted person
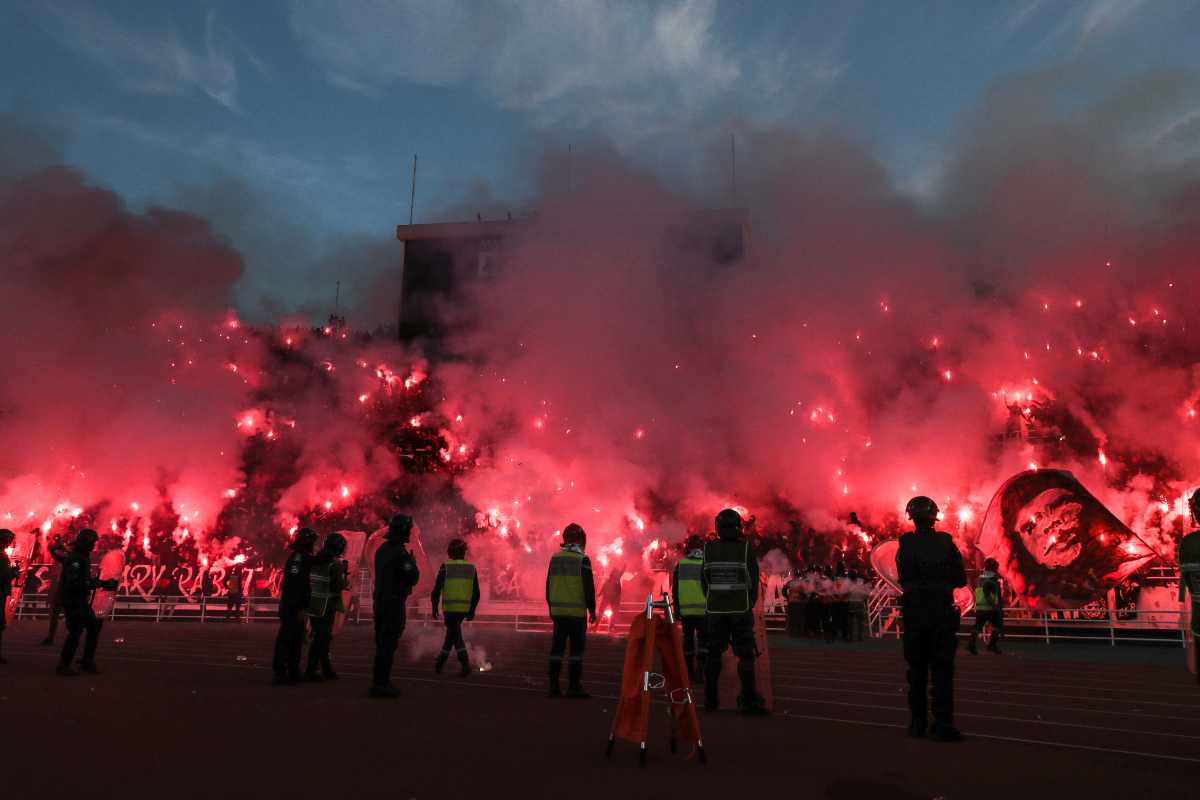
[
  {"x": 8, "y": 574},
  {"x": 54, "y": 607},
  {"x": 930, "y": 569},
  {"x": 989, "y": 607},
  {"x": 730, "y": 584},
  {"x": 396, "y": 574},
  {"x": 77, "y": 587},
  {"x": 294, "y": 592},
  {"x": 1189, "y": 576},
  {"x": 328, "y": 578},
  {"x": 687, "y": 590}
]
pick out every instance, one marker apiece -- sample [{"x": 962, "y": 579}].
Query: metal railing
[{"x": 1105, "y": 626}]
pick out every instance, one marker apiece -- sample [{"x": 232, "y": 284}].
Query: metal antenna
[{"x": 412, "y": 198}]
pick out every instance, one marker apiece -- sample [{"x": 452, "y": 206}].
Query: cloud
[
  {"x": 629, "y": 68},
  {"x": 152, "y": 62}
]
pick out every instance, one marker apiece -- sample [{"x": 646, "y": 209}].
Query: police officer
[
  {"x": 457, "y": 588},
  {"x": 1189, "y": 575},
  {"x": 7, "y": 575},
  {"x": 988, "y": 607},
  {"x": 688, "y": 591},
  {"x": 571, "y": 594},
  {"x": 77, "y": 587},
  {"x": 294, "y": 592},
  {"x": 930, "y": 569},
  {"x": 396, "y": 574},
  {"x": 729, "y": 580},
  {"x": 328, "y": 578}
]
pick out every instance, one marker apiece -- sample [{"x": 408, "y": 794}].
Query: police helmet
[
  {"x": 457, "y": 549},
  {"x": 921, "y": 508},
  {"x": 335, "y": 544},
  {"x": 304, "y": 540},
  {"x": 400, "y": 527},
  {"x": 991, "y": 564},
  {"x": 574, "y": 534},
  {"x": 693, "y": 542},
  {"x": 729, "y": 524},
  {"x": 86, "y": 539},
  {"x": 6, "y": 537}
]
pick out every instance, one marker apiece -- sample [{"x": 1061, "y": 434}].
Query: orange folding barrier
[{"x": 648, "y": 634}]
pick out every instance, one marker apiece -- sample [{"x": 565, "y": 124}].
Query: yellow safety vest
[
  {"x": 691, "y": 600},
  {"x": 458, "y": 588},
  {"x": 983, "y": 601},
  {"x": 566, "y": 585},
  {"x": 727, "y": 576}
]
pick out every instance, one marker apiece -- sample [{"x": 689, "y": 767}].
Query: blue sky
[{"x": 317, "y": 107}]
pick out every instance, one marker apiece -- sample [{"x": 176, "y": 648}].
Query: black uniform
[
  {"x": 7, "y": 575},
  {"x": 396, "y": 574},
  {"x": 75, "y": 593},
  {"x": 930, "y": 569},
  {"x": 454, "y": 621},
  {"x": 725, "y": 629},
  {"x": 234, "y": 597},
  {"x": 294, "y": 592}
]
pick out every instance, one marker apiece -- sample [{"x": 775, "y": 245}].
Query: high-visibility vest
[
  {"x": 458, "y": 588},
  {"x": 727, "y": 576},
  {"x": 566, "y": 585},
  {"x": 321, "y": 590},
  {"x": 983, "y": 600},
  {"x": 691, "y": 593}
]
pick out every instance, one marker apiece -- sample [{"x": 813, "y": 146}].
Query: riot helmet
[
  {"x": 922, "y": 511},
  {"x": 729, "y": 525},
  {"x": 457, "y": 549},
  {"x": 400, "y": 528},
  {"x": 574, "y": 534},
  {"x": 305, "y": 540}
]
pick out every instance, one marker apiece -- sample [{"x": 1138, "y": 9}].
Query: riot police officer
[
  {"x": 396, "y": 574},
  {"x": 688, "y": 591},
  {"x": 7, "y": 575},
  {"x": 328, "y": 578},
  {"x": 457, "y": 589},
  {"x": 294, "y": 592},
  {"x": 570, "y": 594},
  {"x": 76, "y": 591},
  {"x": 729, "y": 580},
  {"x": 1189, "y": 577},
  {"x": 930, "y": 569}
]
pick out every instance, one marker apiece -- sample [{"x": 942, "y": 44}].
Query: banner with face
[{"x": 1057, "y": 545}]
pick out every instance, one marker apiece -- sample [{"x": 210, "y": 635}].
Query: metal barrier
[{"x": 1111, "y": 626}]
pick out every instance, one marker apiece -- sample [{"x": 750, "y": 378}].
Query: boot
[
  {"x": 918, "y": 727},
  {"x": 945, "y": 732},
  {"x": 89, "y": 667},
  {"x": 971, "y": 646},
  {"x": 555, "y": 671},
  {"x": 465, "y": 662},
  {"x": 65, "y": 671},
  {"x": 386, "y": 691},
  {"x": 575, "y": 688},
  {"x": 994, "y": 645},
  {"x": 312, "y": 676},
  {"x": 749, "y": 702},
  {"x": 441, "y": 661}
]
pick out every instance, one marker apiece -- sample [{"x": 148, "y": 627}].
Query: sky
[{"x": 292, "y": 125}]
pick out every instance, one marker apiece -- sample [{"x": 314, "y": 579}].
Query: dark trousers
[
  {"x": 695, "y": 644},
  {"x": 233, "y": 605},
  {"x": 454, "y": 636},
  {"x": 77, "y": 623},
  {"x": 839, "y": 621},
  {"x": 814, "y": 615},
  {"x": 390, "y": 619},
  {"x": 994, "y": 616},
  {"x": 929, "y": 652},
  {"x": 289, "y": 643},
  {"x": 725, "y": 630},
  {"x": 573, "y": 631},
  {"x": 55, "y": 611},
  {"x": 318, "y": 651}
]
